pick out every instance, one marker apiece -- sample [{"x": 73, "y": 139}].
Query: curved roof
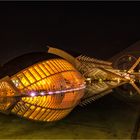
[{"x": 21, "y": 62}]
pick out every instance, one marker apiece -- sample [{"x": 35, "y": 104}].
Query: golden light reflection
[{"x": 50, "y": 76}]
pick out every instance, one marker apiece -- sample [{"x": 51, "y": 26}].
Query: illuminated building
[{"x": 47, "y": 86}]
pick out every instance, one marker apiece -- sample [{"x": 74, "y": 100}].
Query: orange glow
[{"x": 49, "y": 76}]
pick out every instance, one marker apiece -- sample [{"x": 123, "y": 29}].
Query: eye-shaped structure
[
  {"x": 46, "y": 86},
  {"x": 45, "y": 91}
]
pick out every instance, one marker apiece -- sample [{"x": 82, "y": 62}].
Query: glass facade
[{"x": 49, "y": 90}]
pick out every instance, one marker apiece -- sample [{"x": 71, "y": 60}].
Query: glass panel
[
  {"x": 48, "y": 68},
  {"x": 23, "y": 79},
  {"x": 35, "y": 74},
  {"x": 44, "y": 69},
  {"x": 29, "y": 111},
  {"x": 49, "y": 115},
  {"x": 16, "y": 109},
  {"x": 58, "y": 114},
  {"x": 38, "y": 85},
  {"x": 55, "y": 115},
  {"x": 45, "y": 114},
  {"x": 40, "y": 114},
  {"x": 48, "y": 101},
  {"x": 61, "y": 64},
  {"x": 43, "y": 101},
  {"x": 68, "y": 65},
  {"x": 44, "y": 84},
  {"x": 52, "y": 66},
  {"x": 65, "y": 65},
  {"x": 49, "y": 83},
  {"x": 39, "y": 71},
  {"x": 36, "y": 111},
  {"x": 29, "y": 76},
  {"x": 17, "y": 83},
  {"x": 57, "y": 66}
]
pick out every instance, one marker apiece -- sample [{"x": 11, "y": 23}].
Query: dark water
[{"x": 106, "y": 118}]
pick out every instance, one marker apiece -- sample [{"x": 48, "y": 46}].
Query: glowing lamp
[{"x": 32, "y": 94}]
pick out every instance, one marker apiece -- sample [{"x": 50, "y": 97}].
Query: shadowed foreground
[{"x": 105, "y": 118}]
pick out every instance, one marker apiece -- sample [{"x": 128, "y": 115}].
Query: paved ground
[{"x": 106, "y": 118}]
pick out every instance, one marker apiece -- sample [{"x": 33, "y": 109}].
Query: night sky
[{"x": 97, "y": 29}]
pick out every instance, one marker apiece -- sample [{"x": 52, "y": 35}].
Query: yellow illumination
[
  {"x": 34, "y": 73},
  {"x": 29, "y": 76},
  {"x": 48, "y": 68},
  {"x": 37, "y": 68},
  {"x": 44, "y": 69},
  {"x": 24, "y": 80},
  {"x": 48, "y": 77}
]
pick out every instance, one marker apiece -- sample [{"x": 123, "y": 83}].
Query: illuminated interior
[{"x": 48, "y": 90}]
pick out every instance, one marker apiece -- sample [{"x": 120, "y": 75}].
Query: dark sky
[{"x": 98, "y": 29}]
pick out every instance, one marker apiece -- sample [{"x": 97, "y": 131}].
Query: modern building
[{"x": 47, "y": 86}]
